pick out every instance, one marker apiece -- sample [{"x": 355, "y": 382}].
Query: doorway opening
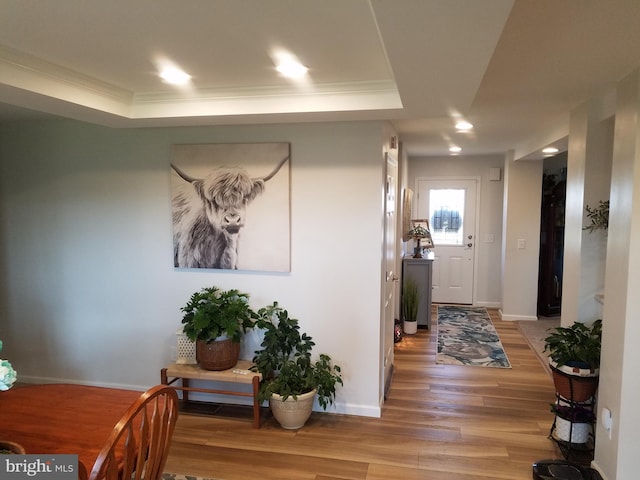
[{"x": 554, "y": 183}]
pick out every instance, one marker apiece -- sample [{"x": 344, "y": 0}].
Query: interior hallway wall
[
  {"x": 521, "y": 238},
  {"x": 88, "y": 291}
]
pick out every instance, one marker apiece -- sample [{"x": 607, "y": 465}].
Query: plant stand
[
  {"x": 575, "y": 393},
  {"x": 237, "y": 378}
]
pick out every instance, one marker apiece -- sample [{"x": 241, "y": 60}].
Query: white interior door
[
  {"x": 450, "y": 207},
  {"x": 390, "y": 274}
]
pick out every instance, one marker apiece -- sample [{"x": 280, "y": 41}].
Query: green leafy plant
[
  {"x": 212, "y": 312},
  {"x": 599, "y": 216},
  {"x": 285, "y": 360},
  {"x": 410, "y": 300},
  {"x": 578, "y": 345},
  {"x": 7, "y": 374}
]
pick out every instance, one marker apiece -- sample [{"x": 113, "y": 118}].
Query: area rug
[{"x": 466, "y": 336}]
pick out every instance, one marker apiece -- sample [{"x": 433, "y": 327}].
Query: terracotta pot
[
  {"x": 217, "y": 355},
  {"x": 11, "y": 447},
  {"x": 292, "y": 413}
]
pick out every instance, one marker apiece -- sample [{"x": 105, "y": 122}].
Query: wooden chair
[{"x": 139, "y": 444}]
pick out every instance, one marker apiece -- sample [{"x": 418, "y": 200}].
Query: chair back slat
[{"x": 138, "y": 446}]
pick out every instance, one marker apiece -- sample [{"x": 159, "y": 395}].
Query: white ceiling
[{"x": 514, "y": 69}]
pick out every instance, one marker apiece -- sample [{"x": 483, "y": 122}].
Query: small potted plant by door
[
  {"x": 291, "y": 379},
  {"x": 410, "y": 302},
  {"x": 574, "y": 356},
  {"x": 216, "y": 320}
]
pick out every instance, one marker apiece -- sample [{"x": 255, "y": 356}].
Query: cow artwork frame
[{"x": 231, "y": 207}]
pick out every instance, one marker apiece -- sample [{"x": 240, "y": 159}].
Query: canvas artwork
[{"x": 231, "y": 206}]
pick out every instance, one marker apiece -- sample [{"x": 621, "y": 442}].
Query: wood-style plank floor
[{"x": 439, "y": 422}]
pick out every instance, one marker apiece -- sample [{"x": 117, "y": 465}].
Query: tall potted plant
[
  {"x": 410, "y": 302},
  {"x": 216, "y": 320},
  {"x": 291, "y": 379}
]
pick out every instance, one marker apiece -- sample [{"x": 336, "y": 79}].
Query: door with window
[{"x": 450, "y": 207}]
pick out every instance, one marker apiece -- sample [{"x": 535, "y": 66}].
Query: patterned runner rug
[{"x": 466, "y": 336}]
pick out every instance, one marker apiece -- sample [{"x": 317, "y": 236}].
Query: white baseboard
[
  {"x": 505, "y": 316},
  {"x": 488, "y": 304},
  {"x": 340, "y": 408},
  {"x": 40, "y": 380}
]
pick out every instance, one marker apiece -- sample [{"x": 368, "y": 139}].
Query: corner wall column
[{"x": 521, "y": 238}]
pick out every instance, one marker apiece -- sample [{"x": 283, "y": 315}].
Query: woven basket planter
[{"x": 217, "y": 355}]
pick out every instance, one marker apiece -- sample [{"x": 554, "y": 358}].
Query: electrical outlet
[
  {"x": 174, "y": 353},
  {"x": 522, "y": 244}
]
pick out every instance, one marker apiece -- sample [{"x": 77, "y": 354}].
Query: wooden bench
[{"x": 239, "y": 374}]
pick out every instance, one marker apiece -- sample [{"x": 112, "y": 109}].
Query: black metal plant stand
[{"x": 576, "y": 398}]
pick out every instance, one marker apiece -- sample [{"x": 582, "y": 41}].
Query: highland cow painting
[{"x": 231, "y": 206}]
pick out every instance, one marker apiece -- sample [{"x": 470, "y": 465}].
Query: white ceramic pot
[
  {"x": 292, "y": 413},
  {"x": 410, "y": 328},
  {"x": 579, "y": 433}
]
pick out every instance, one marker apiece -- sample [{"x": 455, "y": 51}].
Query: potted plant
[
  {"x": 410, "y": 302},
  {"x": 7, "y": 374},
  {"x": 291, "y": 379},
  {"x": 574, "y": 356},
  {"x": 7, "y": 379},
  {"x": 216, "y": 320}
]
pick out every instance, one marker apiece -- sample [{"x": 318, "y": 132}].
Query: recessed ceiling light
[
  {"x": 455, "y": 149},
  {"x": 288, "y": 65},
  {"x": 463, "y": 126},
  {"x": 550, "y": 150},
  {"x": 175, "y": 76},
  {"x": 291, "y": 68}
]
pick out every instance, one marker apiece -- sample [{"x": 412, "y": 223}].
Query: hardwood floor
[{"x": 440, "y": 422}]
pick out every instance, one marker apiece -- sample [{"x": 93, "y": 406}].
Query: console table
[
  {"x": 240, "y": 374},
  {"x": 420, "y": 271}
]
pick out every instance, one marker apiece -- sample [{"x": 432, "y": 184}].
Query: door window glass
[{"x": 446, "y": 214}]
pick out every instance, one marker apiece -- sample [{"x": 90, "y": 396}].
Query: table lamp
[{"x": 419, "y": 233}]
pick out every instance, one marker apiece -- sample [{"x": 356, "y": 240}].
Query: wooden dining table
[{"x": 63, "y": 418}]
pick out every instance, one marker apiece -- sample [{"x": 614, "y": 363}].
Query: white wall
[
  {"x": 523, "y": 195},
  {"x": 88, "y": 289},
  {"x": 487, "y": 281},
  {"x": 588, "y": 182},
  {"x": 616, "y": 454}
]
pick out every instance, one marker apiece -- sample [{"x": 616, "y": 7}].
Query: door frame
[{"x": 476, "y": 236}]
